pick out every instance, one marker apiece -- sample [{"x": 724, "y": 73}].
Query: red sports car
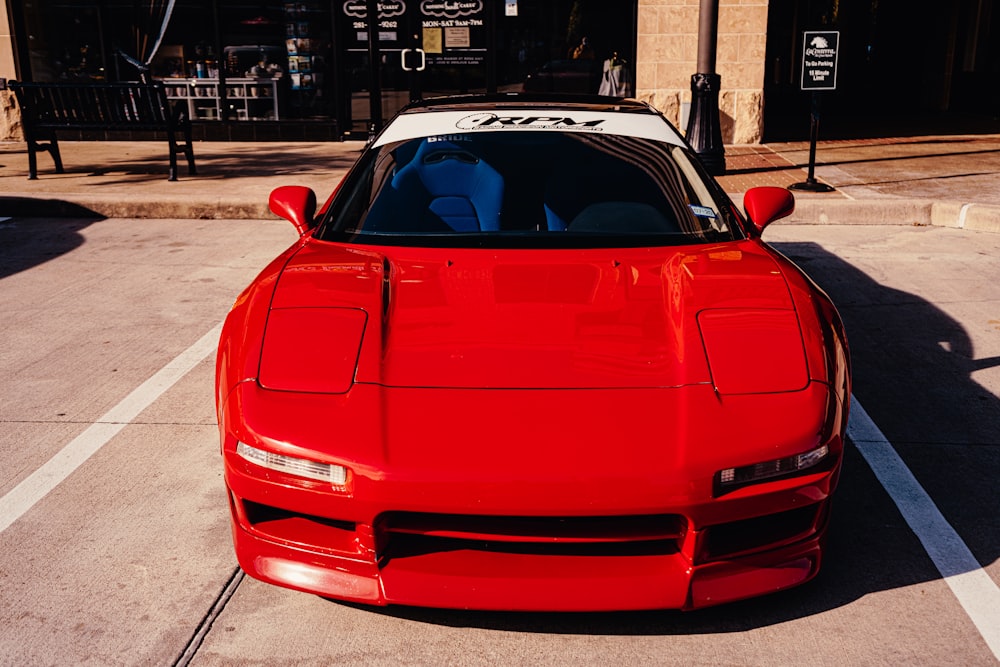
[{"x": 529, "y": 356}]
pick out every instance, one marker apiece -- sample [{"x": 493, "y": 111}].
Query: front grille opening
[
  {"x": 771, "y": 531},
  {"x": 405, "y": 546},
  {"x": 305, "y": 529},
  {"x": 403, "y": 534}
]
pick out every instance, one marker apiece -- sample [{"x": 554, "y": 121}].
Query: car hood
[{"x": 525, "y": 319}]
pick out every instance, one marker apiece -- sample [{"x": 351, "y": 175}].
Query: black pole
[
  {"x": 374, "y": 69},
  {"x": 416, "y": 49},
  {"x": 493, "y": 24},
  {"x": 220, "y": 65},
  {"x": 813, "y": 137},
  {"x": 811, "y": 184},
  {"x": 704, "y": 131},
  {"x": 341, "y": 93}
]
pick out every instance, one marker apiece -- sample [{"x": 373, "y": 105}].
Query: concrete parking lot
[
  {"x": 118, "y": 551},
  {"x": 114, "y": 536}
]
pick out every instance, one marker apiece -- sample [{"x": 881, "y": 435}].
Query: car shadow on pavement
[
  {"x": 36, "y": 231},
  {"x": 912, "y": 365},
  {"x": 913, "y": 372}
]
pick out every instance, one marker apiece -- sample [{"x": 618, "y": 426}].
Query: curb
[
  {"x": 111, "y": 206},
  {"x": 903, "y": 212},
  {"x": 978, "y": 217},
  {"x": 808, "y": 210}
]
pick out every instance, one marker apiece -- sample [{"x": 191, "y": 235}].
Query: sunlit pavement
[
  {"x": 920, "y": 180},
  {"x": 128, "y": 560}
]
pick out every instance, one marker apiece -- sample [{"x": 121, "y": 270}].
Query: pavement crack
[{"x": 213, "y": 613}]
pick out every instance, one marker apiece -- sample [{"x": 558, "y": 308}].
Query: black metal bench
[{"x": 47, "y": 108}]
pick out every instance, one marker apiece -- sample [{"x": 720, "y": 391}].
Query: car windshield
[{"x": 527, "y": 189}]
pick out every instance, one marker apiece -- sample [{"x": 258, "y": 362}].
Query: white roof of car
[{"x": 451, "y": 122}]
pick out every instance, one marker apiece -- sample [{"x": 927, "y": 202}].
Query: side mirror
[
  {"x": 766, "y": 204},
  {"x": 294, "y": 203}
]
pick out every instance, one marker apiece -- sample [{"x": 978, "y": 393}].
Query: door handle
[{"x": 423, "y": 60}]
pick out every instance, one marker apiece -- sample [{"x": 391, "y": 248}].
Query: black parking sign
[{"x": 819, "y": 60}]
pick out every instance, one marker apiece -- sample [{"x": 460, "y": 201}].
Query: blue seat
[
  {"x": 592, "y": 192},
  {"x": 443, "y": 183}
]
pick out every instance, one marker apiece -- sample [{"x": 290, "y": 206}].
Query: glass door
[
  {"x": 368, "y": 47},
  {"x": 455, "y": 40},
  {"x": 567, "y": 46},
  {"x": 419, "y": 48},
  {"x": 401, "y": 58}
]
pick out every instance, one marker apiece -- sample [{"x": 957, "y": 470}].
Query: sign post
[{"x": 819, "y": 72}]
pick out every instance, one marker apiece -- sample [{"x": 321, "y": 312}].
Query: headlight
[
  {"x": 733, "y": 478},
  {"x": 324, "y": 472}
]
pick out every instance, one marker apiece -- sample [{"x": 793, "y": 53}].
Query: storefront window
[
  {"x": 188, "y": 61},
  {"x": 263, "y": 61},
  {"x": 561, "y": 46},
  {"x": 275, "y": 59},
  {"x": 64, "y": 41},
  {"x": 287, "y": 69}
]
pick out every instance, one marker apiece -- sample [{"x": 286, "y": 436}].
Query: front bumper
[
  {"x": 564, "y": 535},
  {"x": 487, "y": 577}
]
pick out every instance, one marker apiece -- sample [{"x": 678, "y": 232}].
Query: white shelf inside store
[{"x": 247, "y": 98}]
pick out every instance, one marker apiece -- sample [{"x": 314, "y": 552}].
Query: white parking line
[
  {"x": 976, "y": 591},
  {"x": 37, "y": 485}
]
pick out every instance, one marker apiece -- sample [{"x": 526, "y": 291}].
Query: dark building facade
[
  {"x": 901, "y": 63},
  {"x": 249, "y": 70},
  {"x": 326, "y": 69}
]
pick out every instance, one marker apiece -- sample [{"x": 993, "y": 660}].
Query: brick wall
[
  {"x": 668, "y": 53},
  {"x": 10, "y": 118}
]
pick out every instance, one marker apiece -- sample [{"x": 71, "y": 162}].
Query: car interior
[{"x": 520, "y": 182}]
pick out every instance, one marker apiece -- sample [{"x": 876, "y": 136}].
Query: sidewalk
[
  {"x": 951, "y": 181},
  {"x": 926, "y": 180}
]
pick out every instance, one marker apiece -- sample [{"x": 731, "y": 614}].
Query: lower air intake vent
[{"x": 403, "y": 534}]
